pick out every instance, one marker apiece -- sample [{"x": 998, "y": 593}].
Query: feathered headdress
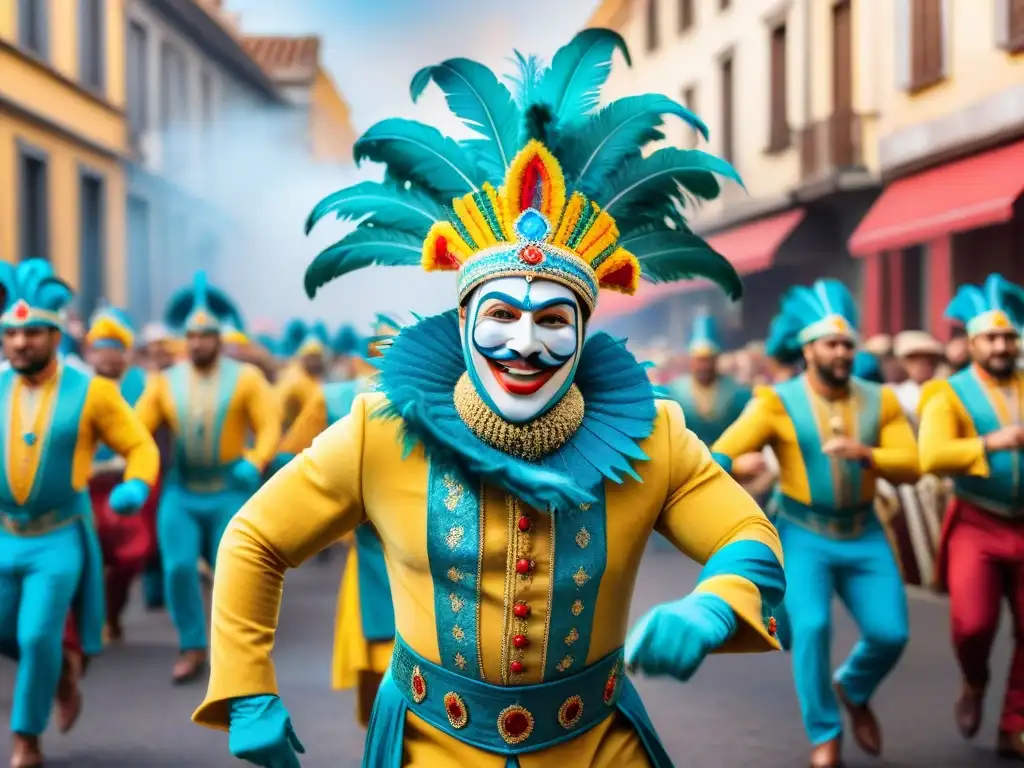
[
  {"x": 704, "y": 339},
  {"x": 998, "y": 305},
  {"x": 301, "y": 338},
  {"x": 347, "y": 342},
  {"x": 232, "y": 334},
  {"x": 110, "y": 327},
  {"x": 269, "y": 343},
  {"x": 201, "y": 307},
  {"x": 867, "y": 367},
  {"x": 809, "y": 313},
  {"x": 32, "y": 295},
  {"x": 554, "y": 189}
]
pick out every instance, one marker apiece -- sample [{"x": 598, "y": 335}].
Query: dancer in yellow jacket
[
  {"x": 513, "y": 467},
  {"x": 306, "y": 347}
]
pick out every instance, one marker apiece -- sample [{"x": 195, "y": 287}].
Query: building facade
[
  {"x": 780, "y": 85},
  {"x": 294, "y": 64},
  {"x": 190, "y": 84},
  {"x": 63, "y": 141},
  {"x": 950, "y": 139}
]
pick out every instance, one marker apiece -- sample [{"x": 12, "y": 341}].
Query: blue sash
[
  {"x": 1001, "y": 491},
  {"x": 824, "y": 474},
  {"x": 375, "y": 607}
]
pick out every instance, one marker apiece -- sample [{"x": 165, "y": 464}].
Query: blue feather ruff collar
[{"x": 418, "y": 374}]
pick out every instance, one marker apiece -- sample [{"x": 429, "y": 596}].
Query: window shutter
[
  {"x": 945, "y": 37},
  {"x": 903, "y": 44},
  {"x": 1002, "y": 29}
]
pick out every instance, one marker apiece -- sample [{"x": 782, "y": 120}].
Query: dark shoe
[
  {"x": 26, "y": 752},
  {"x": 189, "y": 667},
  {"x": 69, "y": 695},
  {"x": 967, "y": 710},
  {"x": 827, "y": 755},
  {"x": 866, "y": 731},
  {"x": 1011, "y": 745}
]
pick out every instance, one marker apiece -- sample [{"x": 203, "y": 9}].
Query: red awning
[
  {"x": 749, "y": 247},
  {"x": 974, "y": 192}
]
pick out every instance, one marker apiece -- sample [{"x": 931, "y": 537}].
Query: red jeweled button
[
  {"x": 454, "y": 708},
  {"x": 571, "y": 711},
  {"x": 524, "y": 524},
  {"x": 524, "y": 566},
  {"x": 609, "y": 688},
  {"x": 21, "y": 311},
  {"x": 516, "y": 723},
  {"x": 520, "y": 641},
  {"x": 516, "y": 667},
  {"x": 521, "y": 610},
  {"x": 531, "y": 255}
]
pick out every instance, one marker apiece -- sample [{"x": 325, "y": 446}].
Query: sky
[{"x": 371, "y": 50}]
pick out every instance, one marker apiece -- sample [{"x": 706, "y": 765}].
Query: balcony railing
[{"x": 830, "y": 145}]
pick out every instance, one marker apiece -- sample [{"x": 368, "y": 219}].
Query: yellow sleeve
[
  {"x": 712, "y": 520},
  {"x": 151, "y": 407},
  {"x": 752, "y": 431},
  {"x": 947, "y": 444},
  {"x": 263, "y": 415},
  {"x": 118, "y": 425},
  {"x": 895, "y": 458},
  {"x": 264, "y": 539},
  {"x": 311, "y": 421}
]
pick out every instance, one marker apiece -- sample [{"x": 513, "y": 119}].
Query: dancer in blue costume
[
  {"x": 215, "y": 407},
  {"x": 128, "y": 542},
  {"x": 710, "y": 401},
  {"x": 513, "y": 467},
  {"x": 833, "y": 435},
  {"x": 54, "y": 418}
]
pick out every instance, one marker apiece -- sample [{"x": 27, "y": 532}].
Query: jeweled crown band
[
  {"x": 539, "y": 260},
  {"x": 993, "y": 321},
  {"x": 22, "y": 315},
  {"x": 833, "y": 325},
  {"x": 201, "y": 321}
]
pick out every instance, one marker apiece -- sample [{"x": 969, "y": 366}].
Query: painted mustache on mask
[{"x": 523, "y": 376}]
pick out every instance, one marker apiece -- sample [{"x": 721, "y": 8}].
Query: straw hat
[{"x": 909, "y": 343}]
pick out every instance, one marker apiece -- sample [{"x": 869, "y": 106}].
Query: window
[
  {"x": 138, "y": 76},
  {"x": 33, "y": 204},
  {"x": 690, "y": 102},
  {"x": 206, "y": 97},
  {"x": 652, "y": 25},
  {"x": 173, "y": 86},
  {"x": 778, "y": 125},
  {"x": 685, "y": 15},
  {"x": 33, "y": 26},
  {"x": 727, "y": 109},
  {"x": 140, "y": 298},
  {"x": 1011, "y": 25},
  {"x": 92, "y": 230},
  {"x": 927, "y": 43},
  {"x": 91, "y": 37}
]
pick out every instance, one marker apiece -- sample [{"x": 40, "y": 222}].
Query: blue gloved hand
[
  {"x": 246, "y": 475},
  {"x": 128, "y": 497},
  {"x": 261, "y": 732},
  {"x": 673, "y": 638}
]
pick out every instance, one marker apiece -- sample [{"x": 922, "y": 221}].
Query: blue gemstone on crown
[{"x": 532, "y": 225}]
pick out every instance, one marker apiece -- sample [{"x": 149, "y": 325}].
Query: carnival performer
[
  {"x": 513, "y": 472},
  {"x": 212, "y": 404},
  {"x": 364, "y": 633},
  {"x": 833, "y": 435},
  {"x": 711, "y": 402},
  {"x": 345, "y": 349},
  {"x": 50, "y": 559},
  {"x": 128, "y": 542},
  {"x": 305, "y": 346},
  {"x": 971, "y": 429}
]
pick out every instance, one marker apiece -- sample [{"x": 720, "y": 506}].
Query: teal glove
[
  {"x": 673, "y": 638},
  {"x": 246, "y": 475},
  {"x": 128, "y": 497},
  {"x": 261, "y": 733}
]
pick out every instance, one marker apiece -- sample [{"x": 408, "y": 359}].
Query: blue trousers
[
  {"x": 189, "y": 526},
  {"x": 39, "y": 576},
  {"x": 863, "y": 573}
]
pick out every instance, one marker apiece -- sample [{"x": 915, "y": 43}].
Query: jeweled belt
[
  {"x": 23, "y": 524},
  {"x": 507, "y": 719},
  {"x": 845, "y": 523}
]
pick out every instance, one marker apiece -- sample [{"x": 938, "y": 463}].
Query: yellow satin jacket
[
  {"x": 293, "y": 391},
  {"x": 355, "y": 472}
]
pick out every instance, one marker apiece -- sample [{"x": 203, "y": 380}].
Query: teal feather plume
[
  {"x": 782, "y": 343},
  {"x": 653, "y": 181},
  {"x": 804, "y": 305},
  {"x": 292, "y": 336},
  {"x": 527, "y": 78},
  {"x": 420, "y": 154},
  {"x": 668, "y": 255},
  {"x": 34, "y": 281},
  {"x": 618, "y": 132},
  {"x": 201, "y": 294},
  {"x": 363, "y": 247},
  {"x": 996, "y": 293},
  {"x": 381, "y": 205},
  {"x": 476, "y": 96},
  {"x": 346, "y": 341},
  {"x": 571, "y": 86}
]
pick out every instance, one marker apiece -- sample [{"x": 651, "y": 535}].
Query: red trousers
[{"x": 983, "y": 563}]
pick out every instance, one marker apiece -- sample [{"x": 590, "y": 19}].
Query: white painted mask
[{"x": 522, "y": 342}]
